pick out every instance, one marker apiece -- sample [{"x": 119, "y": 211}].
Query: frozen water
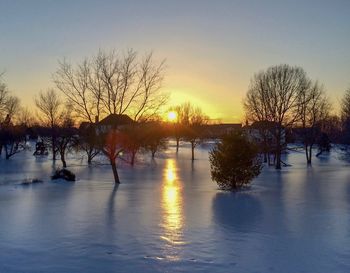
[{"x": 168, "y": 216}]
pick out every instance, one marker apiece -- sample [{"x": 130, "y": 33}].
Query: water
[{"x": 168, "y": 216}]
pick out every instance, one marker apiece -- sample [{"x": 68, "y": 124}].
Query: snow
[{"x": 168, "y": 216}]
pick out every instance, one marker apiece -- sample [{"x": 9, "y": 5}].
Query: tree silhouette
[
  {"x": 50, "y": 106},
  {"x": 12, "y": 136},
  {"x": 345, "y": 116},
  {"x": 113, "y": 84},
  {"x": 88, "y": 142},
  {"x": 314, "y": 110},
  {"x": 273, "y": 96},
  {"x": 155, "y": 137},
  {"x": 112, "y": 147},
  {"x": 189, "y": 125}
]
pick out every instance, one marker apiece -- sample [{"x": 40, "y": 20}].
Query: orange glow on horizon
[{"x": 230, "y": 111}]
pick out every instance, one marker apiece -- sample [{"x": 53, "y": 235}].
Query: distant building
[{"x": 219, "y": 130}]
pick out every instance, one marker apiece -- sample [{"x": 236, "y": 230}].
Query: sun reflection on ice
[{"x": 172, "y": 210}]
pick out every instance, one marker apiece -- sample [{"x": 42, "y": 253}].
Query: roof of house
[
  {"x": 225, "y": 126},
  {"x": 116, "y": 120},
  {"x": 84, "y": 125},
  {"x": 216, "y": 130},
  {"x": 264, "y": 124}
]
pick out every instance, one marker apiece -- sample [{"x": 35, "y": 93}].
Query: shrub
[
  {"x": 234, "y": 162},
  {"x": 63, "y": 174},
  {"x": 27, "y": 182}
]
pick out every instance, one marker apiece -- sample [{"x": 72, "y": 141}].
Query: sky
[{"x": 212, "y": 48}]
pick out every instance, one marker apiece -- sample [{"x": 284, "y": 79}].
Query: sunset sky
[{"x": 212, "y": 48}]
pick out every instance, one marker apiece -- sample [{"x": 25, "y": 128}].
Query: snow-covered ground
[{"x": 168, "y": 216}]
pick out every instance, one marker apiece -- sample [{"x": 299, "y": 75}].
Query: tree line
[
  {"x": 106, "y": 84},
  {"x": 283, "y": 99},
  {"x": 279, "y": 99},
  {"x": 56, "y": 128}
]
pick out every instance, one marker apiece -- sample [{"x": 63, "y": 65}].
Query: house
[
  {"x": 85, "y": 125},
  {"x": 111, "y": 122},
  {"x": 114, "y": 121},
  {"x": 265, "y": 132},
  {"x": 219, "y": 130}
]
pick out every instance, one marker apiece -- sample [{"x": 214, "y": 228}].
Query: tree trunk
[
  {"x": 278, "y": 159},
  {"x": 153, "y": 154},
  {"x": 265, "y": 148},
  {"x": 308, "y": 152},
  {"x": 7, "y": 154},
  {"x": 192, "y": 148},
  {"x": 133, "y": 155},
  {"x": 63, "y": 159},
  {"x": 278, "y": 150},
  {"x": 310, "y": 155},
  {"x": 89, "y": 155},
  {"x": 53, "y": 143},
  {"x": 306, "y": 147},
  {"x": 177, "y": 144},
  {"x": 115, "y": 172},
  {"x": 8, "y": 151},
  {"x": 265, "y": 157}
]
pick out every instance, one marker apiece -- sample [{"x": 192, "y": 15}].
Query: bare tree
[
  {"x": 274, "y": 96},
  {"x": 144, "y": 136},
  {"x": 12, "y": 106},
  {"x": 66, "y": 137},
  {"x": 183, "y": 112},
  {"x": 135, "y": 140},
  {"x": 50, "y": 106},
  {"x": 155, "y": 137},
  {"x": 113, "y": 84},
  {"x": 12, "y": 137},
  {"x": 9, "y": 105},
  {"x": 3, "y": 100},
  {"x": 193, "y": 120},
  {"x": 345, "y": 103},
  {"x": 75, "y": 85},
  {"x": 89, "y": 142},
  {"x": 149, "y": 99},
  {"x": 332, "y": 126},
  {"x": 345, "y": 116},
  {"x": 314, "y": 109},
  {"x": 112, "y": 147},
  {"x": 177, "y": 126},
  {"x": 25, "y": 117}
]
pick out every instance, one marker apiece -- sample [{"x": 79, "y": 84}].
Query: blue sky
[{"x": 212, "y": 48}]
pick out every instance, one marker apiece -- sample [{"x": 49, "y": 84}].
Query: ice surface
[{"x": 168, "y": 216}]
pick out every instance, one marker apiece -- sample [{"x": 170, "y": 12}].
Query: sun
[{"x": 172, "y": 116}]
